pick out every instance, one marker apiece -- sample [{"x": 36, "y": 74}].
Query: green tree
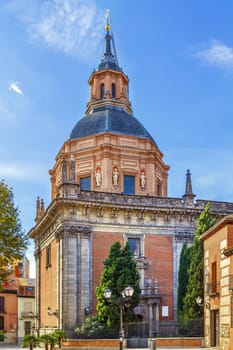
[
  {"x": 60, "y": 335},
  {"x": 183, "y": 276},
  {"x": 119, "y": 272},
  {"x": 30, "y": 341},
  {"x": 195, "y": 286},
  {"x": 13, "y": 240},
  {"x": 45, "y": 339}
]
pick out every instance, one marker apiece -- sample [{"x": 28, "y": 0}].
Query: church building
[{"x": 108, "y": 184}]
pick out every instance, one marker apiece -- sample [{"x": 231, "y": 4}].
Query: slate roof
[{"x": 109, "y": 119}]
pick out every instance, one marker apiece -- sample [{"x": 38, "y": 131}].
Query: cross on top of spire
[{"x": 107, "y": 26}]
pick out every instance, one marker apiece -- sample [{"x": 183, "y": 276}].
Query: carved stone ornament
[{"x": 72, "y": 231}]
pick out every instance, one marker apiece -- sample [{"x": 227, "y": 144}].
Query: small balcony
[
  {"x": 231, "y": 283},
  {"x": 141, "y": 261},
  {"x": 28, "y": 314}
]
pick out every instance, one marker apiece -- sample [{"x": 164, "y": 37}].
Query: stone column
[
  {"x": 157, "y": 325},
  {"x": 150, "y": 316},
  {"x": 37, "y": 254},
  {"x": 76, "y": 282}
]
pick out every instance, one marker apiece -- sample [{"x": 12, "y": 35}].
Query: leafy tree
[
  {"x": 119, "y": 272},
  {"x": 195, "y": 286},
  {"x": 60, "y": 335},
  {"x": 183, "y": 276},
  {"x": 30, "y": 341},
  {"x": 48, "y": 339},
  {"x": 45, "y": 339},
  {"x": 13, "y": 240}
]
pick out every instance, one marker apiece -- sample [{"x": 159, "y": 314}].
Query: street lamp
[
  {"x": 199, "y": 302},
  {"x": 125, "y": 295}
]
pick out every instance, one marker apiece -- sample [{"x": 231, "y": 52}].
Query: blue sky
[{"x": 178, "y": 55}]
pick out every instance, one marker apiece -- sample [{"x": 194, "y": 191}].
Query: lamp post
[
  {"x": 200, "y": 303},
  {"x": 125, "y": 295}
]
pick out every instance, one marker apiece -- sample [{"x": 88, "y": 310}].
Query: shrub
[
  {"x": 2, "y": 335},
  {"x": 93, "y": 328}
]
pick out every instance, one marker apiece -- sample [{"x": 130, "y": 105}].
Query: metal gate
[{"x": 137, "y": 334}]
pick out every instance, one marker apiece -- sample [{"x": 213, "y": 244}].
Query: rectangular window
[
  {"x": 2, "y": 304},
  {"x": 48, "y": 256},
  {"x": 231, "y": 312},
  {"x": 164, "y": 311},
  {"x": 85, "y": 183},
  {"x": 27, "y": 327},
  {"x": 134, "y": 244},
  {"x": 214, "y": 278},
  {"x": 27, "y": 306},
  {"x": 1, "y": 323},
  {"x": 129, "y": 186}
]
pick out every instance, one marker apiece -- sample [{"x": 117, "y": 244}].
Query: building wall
[
  {"x": 10, "y": 316},
  {"x": 218, "y": 303},
  {"x": 80, "y": 231},
  {"x": 48, "y": 285},
  {"x": 130, "y": 155},
  {"x": 26, "y": 316}
]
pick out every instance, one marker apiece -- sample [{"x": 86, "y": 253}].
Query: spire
[
  {"x": 188, "y": 187},
  {"x": 109, "y": 59},
  {"x": 109, "y": 84},
  {"x": 188, "y": 196}
]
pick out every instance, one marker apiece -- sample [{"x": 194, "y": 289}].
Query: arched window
[
  {"x": 113, "y": 90},
  {"x": 102, "y": 91}
]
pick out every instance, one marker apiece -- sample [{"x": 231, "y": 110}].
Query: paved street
[{"x": 12, "y": 347}]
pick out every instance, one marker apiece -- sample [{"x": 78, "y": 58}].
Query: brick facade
[
  {"x": 218, "y": 272},
  {"x": 108, "y": 184}
]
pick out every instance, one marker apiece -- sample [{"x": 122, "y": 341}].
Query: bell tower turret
[{"x": 108, "y": 84}]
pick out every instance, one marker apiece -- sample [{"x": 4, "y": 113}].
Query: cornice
[
  {"x": 228, "y": 251},
  {"x": 111, "y": 209}
]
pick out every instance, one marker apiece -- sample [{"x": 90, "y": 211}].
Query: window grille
[{"x": 134, "y": 244}]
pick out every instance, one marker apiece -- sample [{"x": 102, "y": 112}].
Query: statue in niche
[
  {"x": 72, "y": 168},
  {"x": 115, "y": 177},
  {"x": 98, "y": 178},
  {"x": 64, "y": 172},
  {"x": 142, "y": 180}
]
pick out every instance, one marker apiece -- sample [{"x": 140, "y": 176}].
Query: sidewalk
[{"x": 17, "y": 347}]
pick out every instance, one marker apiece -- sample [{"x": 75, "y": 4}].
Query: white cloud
[
  {"x": 72, "y": 26},
  {"x": 15, "y": 87},
  {"x": 217, "y": 54}
]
